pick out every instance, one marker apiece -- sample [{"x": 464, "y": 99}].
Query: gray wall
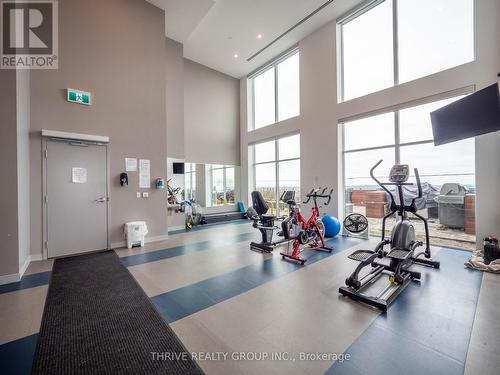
[
  {"x": 14, "y": 163},
  {"x": 23, "y": 165},
  {"x": 202, "y": 117},
  {"x": 116, "y": 50},
  {"x": 8, "y": 165},
  {"x": 211, "y": 116},
  {"x": 202, "y": 111},
  {"x": 175, "y": 98}
]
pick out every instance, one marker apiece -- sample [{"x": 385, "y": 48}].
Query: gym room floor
[{"x": 220, "y": 297}]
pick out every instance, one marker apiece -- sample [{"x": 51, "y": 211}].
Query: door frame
[{"x": 48, "y": 136}]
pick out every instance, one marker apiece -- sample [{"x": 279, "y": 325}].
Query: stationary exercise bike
[
  {"x": 172, "y": 193},
  {"x": 403, "y": 247},
  {"x": 265, "y": 222},
  {"x": 312, "y": 230}
]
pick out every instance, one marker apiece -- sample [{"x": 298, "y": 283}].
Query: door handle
[{"x": 101, "y": 200}]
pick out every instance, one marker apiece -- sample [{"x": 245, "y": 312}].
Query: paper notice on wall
[
  {"x": 144, "y": 174},
  {"x": 78, "y": 175},
  {"x": 130, "y": 164}
]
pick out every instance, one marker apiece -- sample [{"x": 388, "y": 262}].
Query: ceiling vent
[{"x": 290, "y": 29}]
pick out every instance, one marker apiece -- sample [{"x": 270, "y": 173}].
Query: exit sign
[{"x": 77, "y": 96}]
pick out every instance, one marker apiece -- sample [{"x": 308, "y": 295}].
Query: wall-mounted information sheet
[{"x": 144, "y": 174}]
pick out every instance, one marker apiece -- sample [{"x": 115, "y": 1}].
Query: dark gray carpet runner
[{"x": 98, "y": 320}]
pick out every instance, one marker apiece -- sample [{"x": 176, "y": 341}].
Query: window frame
[
  {"x": 397, "y": 142},
  {"x": 224, "y": 184},
  {"x": 192, "y": 187},
  {"x": 366, "y": 7},
  {"x": 273, "y": 64},
  {"x": 276, "y": 162},
  {"x": 349, "y": 16}
]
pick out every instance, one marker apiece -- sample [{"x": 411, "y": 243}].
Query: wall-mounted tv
[
  {"x": 476, "y": 114},
  {"x": 178, "y": 168}
]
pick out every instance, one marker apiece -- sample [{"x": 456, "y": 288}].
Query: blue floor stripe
[
  {"x": 426, "y": 330},
  {"x": 17, "y": 356},
  {"x": 43, "y": 278},
  {"x": 182, "y": 302},
  {"x": 210, "y": 226},
  {"x": 134, "y": 260},
  {"x": 27, "y": 281}
]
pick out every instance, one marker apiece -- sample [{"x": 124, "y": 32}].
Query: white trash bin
[{"x": 135, "y": 231}]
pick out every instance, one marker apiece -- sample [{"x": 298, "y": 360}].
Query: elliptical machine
[{"x": 403, "y": 246}]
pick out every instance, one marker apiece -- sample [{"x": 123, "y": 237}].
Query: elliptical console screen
[{"x": 399, "y": 173}]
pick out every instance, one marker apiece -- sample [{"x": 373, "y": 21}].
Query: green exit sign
[{"x": 77, "y": 96}]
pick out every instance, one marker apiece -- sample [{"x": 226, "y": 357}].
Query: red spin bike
[{"x": 312, "y": 231}]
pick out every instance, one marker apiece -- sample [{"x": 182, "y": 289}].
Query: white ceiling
[{"x": 212, "y": 31}]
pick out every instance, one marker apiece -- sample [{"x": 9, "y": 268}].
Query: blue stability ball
[{"x": 332, "y": 225}]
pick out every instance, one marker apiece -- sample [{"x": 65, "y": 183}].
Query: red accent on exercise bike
[{"x": 310, "y": 232}]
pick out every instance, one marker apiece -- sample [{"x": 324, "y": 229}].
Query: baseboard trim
[
  {"x": 119, "y": 244},
  {"x": 176, "y": 227},
  {"x": 115, "y": 245},
  {"x": 7, "y": 279},
  {"x": 23, "y": 268},
  {"x": 163, "y": 237},
  {"x": 16, "y": 277},
  {"x": 36, "y": 257}
]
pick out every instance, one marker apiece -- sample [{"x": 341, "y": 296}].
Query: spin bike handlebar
[{"x": 314, "y": 194}]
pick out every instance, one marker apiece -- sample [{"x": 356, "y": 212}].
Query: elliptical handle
[
  {"x": 373, "y": 168},
  {"x": 419, "y": 185},
  {"x": 378, "y": 182}
]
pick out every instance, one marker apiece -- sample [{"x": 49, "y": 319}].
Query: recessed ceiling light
[
  {"x": 235, "y": 55},
  {"x": 259, "y": 36}
]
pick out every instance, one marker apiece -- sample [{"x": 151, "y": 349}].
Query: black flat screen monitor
[
  {"x": 178, "y": 168},
  {"x": 476, "y": 114}
]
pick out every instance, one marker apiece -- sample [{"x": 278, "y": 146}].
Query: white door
[{"x": 76, "y": 197}]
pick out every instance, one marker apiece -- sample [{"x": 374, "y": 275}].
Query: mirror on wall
[{"x": 213, "y": 186}]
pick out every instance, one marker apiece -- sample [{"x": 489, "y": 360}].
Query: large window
[
  {"x": 434, "y": 35},
  {"x": 390, "y": 42},
  {"x": 222, "y": 185},
  {"x": 405, "y": 136},
  {"x": 276, "y": 168},
  {"x": 276, "y": 92},
  {"x": 264, "y": 99},
  {"x": 189, "y": 181},
  {"x": 367, "y": 52}
]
